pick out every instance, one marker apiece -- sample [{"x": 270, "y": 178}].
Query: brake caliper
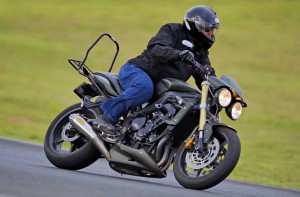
[{"x": 189, "y": 142}]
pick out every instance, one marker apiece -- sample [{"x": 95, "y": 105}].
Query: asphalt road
[{"x": 25, "y": 171}]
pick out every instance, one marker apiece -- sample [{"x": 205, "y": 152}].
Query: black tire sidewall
[
  {"x": 217, "y": 175},
  {"x": 76, "y": 160}
]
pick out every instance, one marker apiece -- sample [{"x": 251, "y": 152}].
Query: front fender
[{"x": 208, "y": 129}]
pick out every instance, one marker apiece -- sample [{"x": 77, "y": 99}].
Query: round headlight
[
  {"x": 224, "y": 97},
  {"x": 236, "y": 110}
]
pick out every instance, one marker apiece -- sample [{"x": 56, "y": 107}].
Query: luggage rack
[{"x": 83, "y": 69}]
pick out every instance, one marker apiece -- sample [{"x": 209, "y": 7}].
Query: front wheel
[
  {"x": 64, "y": 146},
  {"x": 200, "y": 171}
]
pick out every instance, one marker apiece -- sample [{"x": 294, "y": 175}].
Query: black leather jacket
[{"x": 161, "y": 58}]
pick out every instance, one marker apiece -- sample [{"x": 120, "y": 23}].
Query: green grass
[{"x": 257, "y": 44}]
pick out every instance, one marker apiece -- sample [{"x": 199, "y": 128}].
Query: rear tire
[
  {"x": 81, "y": 153},
  {"x": 227, "y": 146}
]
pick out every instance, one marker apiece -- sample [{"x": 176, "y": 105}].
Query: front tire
[
  {"x": 202, "y": 171},
  {"x": 64, "y": 146}
]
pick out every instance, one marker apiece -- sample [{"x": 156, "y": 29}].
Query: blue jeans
[{"x": 138, "y": 89}]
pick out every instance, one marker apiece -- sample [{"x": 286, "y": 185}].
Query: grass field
[{"x": 256, "y": 44}]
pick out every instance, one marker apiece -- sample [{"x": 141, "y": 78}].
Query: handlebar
[
  {"x": 202, "y": 69},
  {"x": 197, "y": 66}
]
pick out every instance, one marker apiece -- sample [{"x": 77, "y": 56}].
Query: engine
[{"x": 146, "y": 129}]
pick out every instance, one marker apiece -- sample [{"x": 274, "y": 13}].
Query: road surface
[{"x": 26, "y": 172}]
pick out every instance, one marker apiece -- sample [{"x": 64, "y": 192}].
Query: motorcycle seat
[{"x": 108, "y": 82}]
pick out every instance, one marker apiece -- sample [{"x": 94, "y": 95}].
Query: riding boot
[{"x": 102, "y": 124}]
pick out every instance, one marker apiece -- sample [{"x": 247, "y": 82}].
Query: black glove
[
  {"x": 186, "y": 56},
  {"x": 209, "y": 70}
]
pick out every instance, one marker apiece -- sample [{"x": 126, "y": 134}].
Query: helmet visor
[
  {"x": 199, "y": 22},
  {"x": 209, "y": 32},
  {"x": 207, "y": 28}
]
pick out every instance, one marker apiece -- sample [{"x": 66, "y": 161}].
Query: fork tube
[
  {"x": 199, "y": 145},
  {"x": 203, "y": 104}
]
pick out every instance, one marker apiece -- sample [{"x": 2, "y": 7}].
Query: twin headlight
[
  {"x": 224, "y": 97},
  {"x": 233, "y": 109}
]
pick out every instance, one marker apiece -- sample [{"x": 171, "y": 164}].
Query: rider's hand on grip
[{"x": 186, "y": 56}]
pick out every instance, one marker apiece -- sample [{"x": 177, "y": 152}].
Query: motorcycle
[{"x": 179, "y": 128}]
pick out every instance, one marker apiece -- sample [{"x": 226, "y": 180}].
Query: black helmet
[{"x": 201, "y": 22}]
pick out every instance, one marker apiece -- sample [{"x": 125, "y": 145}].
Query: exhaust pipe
[{"x": 83, "y": 127}]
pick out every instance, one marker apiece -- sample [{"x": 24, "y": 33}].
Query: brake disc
[
  {"x": 196, "y": 160},
  {"x": 67, "y": 136}
]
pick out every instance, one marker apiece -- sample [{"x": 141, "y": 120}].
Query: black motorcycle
[{"x": 180, "y": 125}]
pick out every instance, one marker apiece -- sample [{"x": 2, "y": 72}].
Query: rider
[{"x": 165, "y": 57}]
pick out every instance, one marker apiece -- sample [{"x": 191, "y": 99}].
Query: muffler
[{"x": 83, "y": 127}]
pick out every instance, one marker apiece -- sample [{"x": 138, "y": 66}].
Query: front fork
[{"x": 199, "y": 145}]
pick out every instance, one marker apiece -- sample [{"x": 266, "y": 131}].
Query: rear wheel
[
  {"x": 196, "y": 170},
  {"x": 64, "y": 146}
]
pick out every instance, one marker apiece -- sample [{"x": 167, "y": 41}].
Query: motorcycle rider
[{"x": 165, "y": 57}]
